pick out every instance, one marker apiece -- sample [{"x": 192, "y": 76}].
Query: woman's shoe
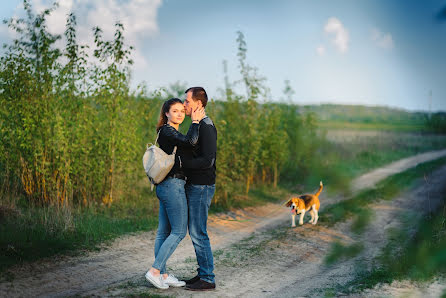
[
  {"x": 171, "y": 280},
  {"x": 157, "y": 281}
]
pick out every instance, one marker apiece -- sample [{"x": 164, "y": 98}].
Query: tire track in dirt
[{"x": 124, "y": 262}]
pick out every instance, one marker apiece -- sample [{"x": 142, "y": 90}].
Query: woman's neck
[{"x": 174, "y": 125}]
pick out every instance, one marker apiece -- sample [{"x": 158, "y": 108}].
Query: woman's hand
[{"x": 197, "y": 115}]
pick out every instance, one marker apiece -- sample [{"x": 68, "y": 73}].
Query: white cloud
[
  {"x": 382, "y": 40},
  {"x": 139, "y": 18},
  {"x": 341, "y": 35},
  {"x": 320, "y": 50}
]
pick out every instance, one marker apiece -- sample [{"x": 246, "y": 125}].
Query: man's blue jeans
[
  {"x": 199, "y": 199},
  {"x": 172, "y": 220}
]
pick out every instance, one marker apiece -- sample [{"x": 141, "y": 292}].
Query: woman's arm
[
  {"x": 208, "y": 149},
  {"x": 178, "y": 139}
]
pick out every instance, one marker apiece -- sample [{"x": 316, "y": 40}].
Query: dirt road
[{"x": 256, "y": 253}]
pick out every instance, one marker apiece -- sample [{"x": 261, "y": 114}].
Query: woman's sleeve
[{"x": 178, "y": 139}]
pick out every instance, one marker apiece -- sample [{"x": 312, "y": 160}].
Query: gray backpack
[{"x": 157, "y": 163}]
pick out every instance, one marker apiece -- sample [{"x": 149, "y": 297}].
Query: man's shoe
[
  {"x": 201, "y": 285},
  {"x": 192, "y": 280},
  {"x": 157, "y": 281},
  {"x": 171, "y": 280}
]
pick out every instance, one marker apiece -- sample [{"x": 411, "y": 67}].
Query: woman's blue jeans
[{"x": 172, "y": 220}]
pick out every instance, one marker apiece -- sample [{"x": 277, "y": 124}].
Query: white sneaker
[
  {"x": 171, "y": 280},
  {"x": 157, "y": 281}
]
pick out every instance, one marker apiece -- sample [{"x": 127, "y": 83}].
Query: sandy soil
[{"x": 256, "y": 253}]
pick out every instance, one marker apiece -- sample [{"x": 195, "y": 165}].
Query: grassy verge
[
  {"x": 418, "y": 257},
  {"x": 417, "y": 253},
  {"x": 259, "y": 195},
  {"x": 28, "y": 233},
  {"x": 356, "y": 207}
]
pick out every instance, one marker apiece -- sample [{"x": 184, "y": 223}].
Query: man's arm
[{"x": 208, "y": 149}]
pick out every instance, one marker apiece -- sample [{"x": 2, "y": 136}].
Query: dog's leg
[
  {"x": 312, "y": 216},
  {"x": 316, "y": 215},
  {"x": 293, "y": 220},
  {"x": 301, "y": 219}
]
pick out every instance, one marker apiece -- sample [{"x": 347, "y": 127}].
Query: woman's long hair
[{"x": 165, "y": 109}]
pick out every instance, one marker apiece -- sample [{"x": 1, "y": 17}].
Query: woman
[{"x": 172, "y": 221}]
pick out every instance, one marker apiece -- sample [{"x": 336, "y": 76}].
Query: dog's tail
[{"x": 321, "y": 186}]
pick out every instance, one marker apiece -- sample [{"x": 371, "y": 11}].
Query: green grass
[
  {"x": 30, "y": 233},
  {"x": 340, "y": 251},
  {"x": 404, "y": 127},
  {"x": 387, "y": 189},
  {"x": 355, "y": 152},
  {"x": 259, "y": 195},
  {"x": 418, "y": 257},
  {"x": 417, "y": 253}
]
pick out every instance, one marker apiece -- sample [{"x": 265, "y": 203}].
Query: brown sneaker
[
  {"x": 200, "y": 285},
  {"x": 192, "y": 280}
]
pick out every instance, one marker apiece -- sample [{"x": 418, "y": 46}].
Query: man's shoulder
[
  {"x": 207, "y": 128},
  {"x": 207, "y": 121}
]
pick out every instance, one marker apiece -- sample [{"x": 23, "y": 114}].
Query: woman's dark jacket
[{"x": 169, "y": 137}]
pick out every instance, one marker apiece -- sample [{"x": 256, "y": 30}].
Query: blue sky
[{"x": 372, "y": 52}]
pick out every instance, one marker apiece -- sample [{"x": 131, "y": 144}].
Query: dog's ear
[{"x": 288, "y": 204}]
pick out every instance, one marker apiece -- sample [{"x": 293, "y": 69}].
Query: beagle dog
[{"x": 304, "y": 203}]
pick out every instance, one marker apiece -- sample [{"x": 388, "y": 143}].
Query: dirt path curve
[
  {"x": 370, "y": 179},
  {"x": 106, "y": 272}
]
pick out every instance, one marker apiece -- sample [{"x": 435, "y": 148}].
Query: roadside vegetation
[
  {"x": 73, "y": 134},
  {"x": 357, "y": 206},
  {"x": 416, "y": 251}
]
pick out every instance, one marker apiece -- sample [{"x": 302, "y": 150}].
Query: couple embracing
[{"x": 185, "y": 194}]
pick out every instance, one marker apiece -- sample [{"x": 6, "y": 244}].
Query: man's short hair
[{"x": 198, "y": 93}]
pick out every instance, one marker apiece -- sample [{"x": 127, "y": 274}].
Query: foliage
[
  {"x": 357, "y": 205},
  {"x": 341, "y": 251},
  {"x": 67, "y": 126},
  {"x": 417, "y": 254},
  {"x": 27, "y": 233},
  {"x": 366, "y": 114},
  {"x": 437, "y": 122}
]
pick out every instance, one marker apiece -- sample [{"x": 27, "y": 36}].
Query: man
[{"x": 200, "y": 187}]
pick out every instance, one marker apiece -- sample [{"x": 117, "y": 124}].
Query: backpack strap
[{"x": 157, "y": 136}]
